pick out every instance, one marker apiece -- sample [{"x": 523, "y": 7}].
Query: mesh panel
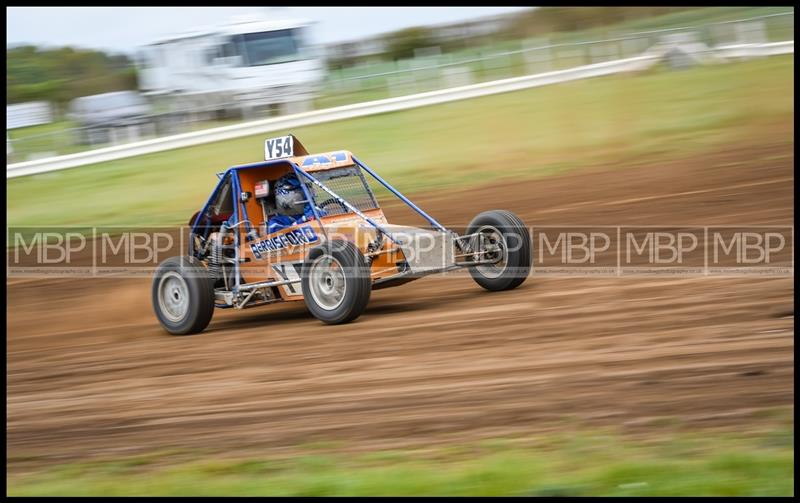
[{"x": 349, "y": 184}]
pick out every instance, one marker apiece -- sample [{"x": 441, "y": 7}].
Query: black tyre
[
  {"x": 183, "y": 295},
  {"x": 504, "y": 237},
  {"x": 336, "y": 282}
]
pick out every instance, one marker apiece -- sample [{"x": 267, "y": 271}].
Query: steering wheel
[{"x": 325, "y": 203}]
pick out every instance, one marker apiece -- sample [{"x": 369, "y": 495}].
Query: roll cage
[{"x": 229, "y": 180}]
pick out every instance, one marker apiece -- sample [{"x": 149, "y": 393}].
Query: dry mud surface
[{"x": 91, "y": 373}]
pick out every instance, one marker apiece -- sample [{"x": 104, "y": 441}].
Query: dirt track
[{"x": 90, "y": 372}]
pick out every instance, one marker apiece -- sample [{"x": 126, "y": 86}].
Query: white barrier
[
  {"x": 755, "y": 50},
  {"x": 343, "y": 112}
]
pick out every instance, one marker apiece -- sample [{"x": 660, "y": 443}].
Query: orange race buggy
[{"x": 308, "y": 227}]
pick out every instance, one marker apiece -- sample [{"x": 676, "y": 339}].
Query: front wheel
[
  {"x": 336, "y": 282},
  {"x": 183, "y": 295},
  {"x": 502, "y": 238}
]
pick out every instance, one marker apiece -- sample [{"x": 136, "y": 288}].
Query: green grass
[
  {"x": 584, "y": 464},
  {"x": 58, "y": 138},
  {"x": 610, "y": 121},
  {"x": 43, "y": 140}
]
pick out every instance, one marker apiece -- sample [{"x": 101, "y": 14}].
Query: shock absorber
[
  {"x": 216, "y": 256},
  {"x": 215, "y": 260}
]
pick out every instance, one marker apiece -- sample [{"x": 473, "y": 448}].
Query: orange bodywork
[{"x": 351, "y": 227}]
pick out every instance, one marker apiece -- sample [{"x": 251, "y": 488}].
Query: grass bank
[
  {"x": 612, "y": 120},
  {"x": 584, "y": 464}
]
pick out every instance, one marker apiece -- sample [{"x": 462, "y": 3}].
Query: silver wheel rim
[
  {"x": 327, "y": 282},
  {"x": 492, "y": 236},
  {"x": 173, "y": 296}
]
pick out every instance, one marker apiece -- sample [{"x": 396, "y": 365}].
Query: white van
[{"x": 240, "y": 66}]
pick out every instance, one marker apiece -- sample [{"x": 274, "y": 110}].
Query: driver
[{"x": 291, "y": 203}]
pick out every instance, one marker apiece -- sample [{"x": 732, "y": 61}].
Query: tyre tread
[
  {"x": 198, "y": 282},
  {"x": 503, "y": 219},
  {"x": 351, "y": 259}
]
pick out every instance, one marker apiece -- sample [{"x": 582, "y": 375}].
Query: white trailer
[
  {"x": 32, "y": 113},
  {"x": 240, "y": 66}
]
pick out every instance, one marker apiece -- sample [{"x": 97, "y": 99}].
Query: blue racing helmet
[{"x": 289, "y": 197}]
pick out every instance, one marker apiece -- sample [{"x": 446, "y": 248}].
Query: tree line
[{"x": 60, "y": 75}]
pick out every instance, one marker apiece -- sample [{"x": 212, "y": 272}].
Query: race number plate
[
  {"x": 278, "y": 148},
  {"x": 289, "y": 272}
]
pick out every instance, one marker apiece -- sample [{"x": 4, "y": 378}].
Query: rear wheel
[
  {"x": 336, "y": 282},
  {"x": 504, "y": 239},
  {"x": 183, "y": 295}
]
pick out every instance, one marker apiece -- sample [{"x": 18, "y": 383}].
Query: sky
[{"x": 123, "y": 29}]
